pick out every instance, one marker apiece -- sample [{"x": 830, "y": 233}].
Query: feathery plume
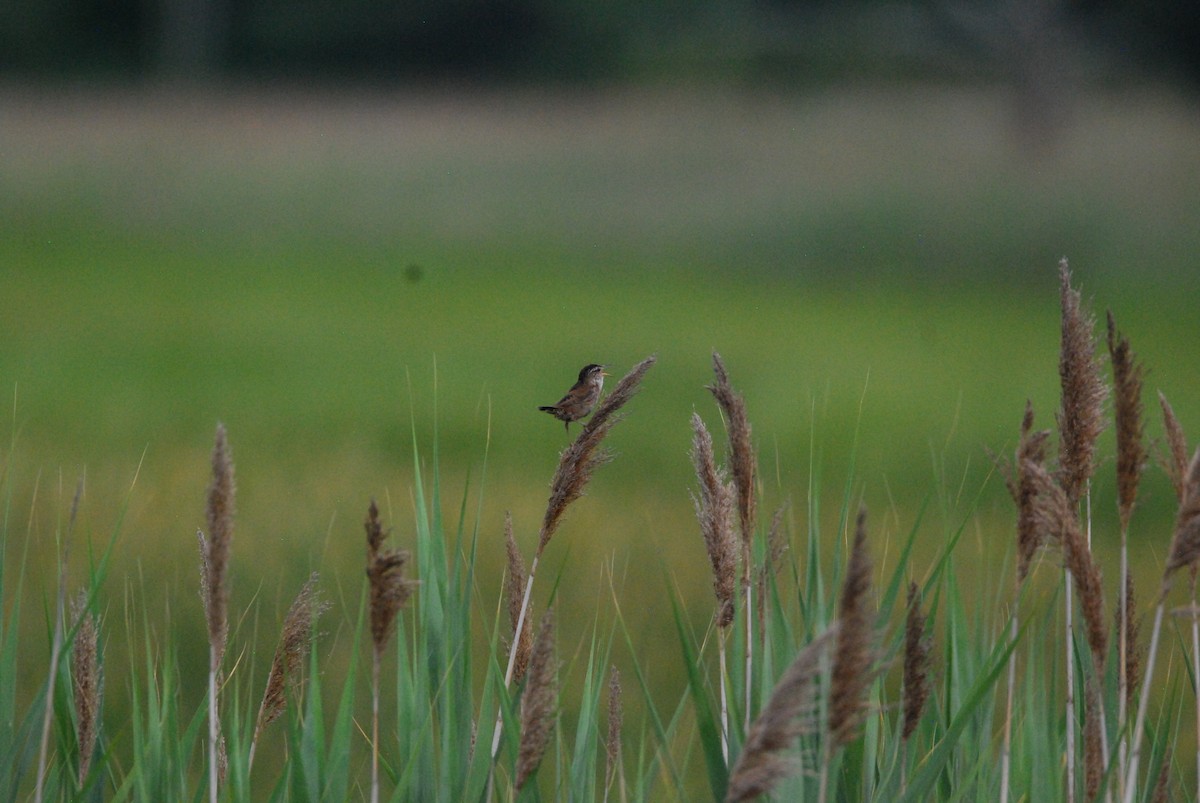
[
  {"x": 1185, "y": 544},
  {"x": 390, "y": 589},
  {"x": 1162, "y": 785},
  {"x": 217, "y": 546},
  {"x": 1031, "y": 448},
  {"x": 1080, "y": 419},
  {"x": 294, "y": 642},
  {"x": 714, "y": 510},
  {"x": 514, "y": 589},
  {"x": 916, "y": 662},
  {"x": 538, "y": 701},
  {"x": 763, "y": 762},
  {"x": 1093, "y": 748},
  {"x": 85, "y": 678},
  {"x": 1055, "y": 515},
  {"x": 1133, "y": 653},
  {"x": 613, "y": 743},
  {"x": 1177, "y": 464},
  {"x": 1127, "y": 387},
  {"x": 854, "y": 654},
  {"x": 584, "y": 455},
  {"x": 740, "y": 446}
]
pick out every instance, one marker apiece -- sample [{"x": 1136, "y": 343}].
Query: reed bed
[{"x": 820, "y": 672}]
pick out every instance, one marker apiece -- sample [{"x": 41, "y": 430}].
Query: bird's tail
[{"x": 548, "y": 409}]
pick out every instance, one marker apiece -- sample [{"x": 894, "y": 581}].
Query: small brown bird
[{"x": 581, "y": 398}]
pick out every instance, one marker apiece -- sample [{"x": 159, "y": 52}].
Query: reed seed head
[
  {"x": 714, "y": 510},
  {"x": 764, "y": 762},
  {"x": 616, "y": 714},
  {"x": 585, "y": 455},
  {"x": 1093, "y": 749},
  {"x": 1031, "y": 448},
  {"x": 514, "y": 592},
  {"x": 389, "y": 588},
  {"x": 1081, "y": 417},
  {"x": 294, "y": 642},
  {"x": 1127, "y": 387},
  {"x": 217, "y": 546},
  {"x": 1133, "y": 652},
  {"x": 741, "y": 447},
  {"x": 1185, "y": 544},
  {"x": 1177, "y": 463},
  {"x": 539, "y": 702},
  {"x": 86, "y": 682},
  {"x": 854, "y": 654},
  {"x": 917, "y": 646}
]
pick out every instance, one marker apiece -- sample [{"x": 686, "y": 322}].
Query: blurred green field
[{"x": 878, "y": 271}]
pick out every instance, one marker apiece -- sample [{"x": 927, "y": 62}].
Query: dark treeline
[{"x": 786, "y": 41}]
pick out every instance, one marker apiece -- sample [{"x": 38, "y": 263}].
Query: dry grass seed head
[
  {"x": 917, "y": 647},
  {"x": 1177, "y": 463},
  {"x": 294, "y": 642},
  {"x": 85, "y": 679},
  {"x": 584, "y": 455},
  {"x": 1185, "y": 543},
  {"x": 1093, "y": 749},
  {"x": 217, "y": 546},
  {"x": 1127, "y": 386},
  {"x": 854, "y": 654},
  {"x": 763, "y": 762},
  {"x": 514, "y": 592},
  {"x": 1133, "y": 653},
  {"x": 389, "y": 589},
  {"x": 1081, "y": 417},
  {"x": 741, "y": 448},
  {"x": 615, "y": 716},
  {"x": 539, "y": 701},
  {"x": 1031, "y": 449},
  {"x": 714, "y": 510}
]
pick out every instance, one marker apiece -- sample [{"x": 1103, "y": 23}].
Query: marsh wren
[{"x": 581, "y": 398}]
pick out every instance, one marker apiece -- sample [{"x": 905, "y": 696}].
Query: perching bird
[{"x": 581, "y": 398}]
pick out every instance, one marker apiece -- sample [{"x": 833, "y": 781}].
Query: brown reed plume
[
  {"x": 1081, "y": 417},
  {"x": 1093, "y": 745},
  {"x": 389, "y": 590},
  {"x": 1177, "y": 462},
  {"x": 539, "y": 702},
  {"x": 917, "y": 645},
  {"x": 1185, "y": 543},
  {"x": 1133, "y": 653},
  {"x": 514, "y": 585},
  {"x": 86, "y": 682},
  {"x": 613, "y": 771},
  {"x": 1127, "y": 391},
  {"x": 1031, "y": 448},
  {"x": 584, "y": 455},
  {"x": 763, "y": 762},
  {"x": 714, "y": 510},
  {"x": 1162, "y": 784},
  {"x": 854, "y": 654},
  {"x": 215, "y": 550},
  {"x": 294, "y": 642},
  {"x": 741, "y": 449},
  {"x": 777, "y": 545}
]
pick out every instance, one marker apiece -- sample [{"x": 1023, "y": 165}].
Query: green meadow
[{"x": 342, "y": 278}]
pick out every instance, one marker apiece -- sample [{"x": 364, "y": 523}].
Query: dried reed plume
[
  {"x": 613, "y": 771},
  {"x": 215, "y": 549},
  {"x": 916, "y": 662},
  {"x": 764, "y": 762},
  {"x": 1031, "y": 448},
  {"x": 1127, "y": 390},
  {"x": 389, "y": 588},
  {"x": 854, "y": 653},
  {"x": 714, "y": 510},
  {"x": 389, "y": 591},
  {"x": 741, "y": 450},
  {"x": 294, "y": 642},
  {"x": 1133, "y": 654},
  {"x": 777, "y": 545},
  {"x": 217, "y": 546},
  {"x": 1176, "y": 464},
  {"x": 1162, "y": 784},
  {"x": 1081, "y": 418},
  {"x": 1053, "y": 512},
  {"x": 86, "y": 682},
  {"x": 584, "y": 455},
  {"x": 1185, "y": 543},
  {"x": 538, "y": 702},
  {"x": 514, "y": 585},
  {"x": 1093, "y": 745}
]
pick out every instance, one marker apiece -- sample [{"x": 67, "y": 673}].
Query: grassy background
[{"x": 877, "y": 269}]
